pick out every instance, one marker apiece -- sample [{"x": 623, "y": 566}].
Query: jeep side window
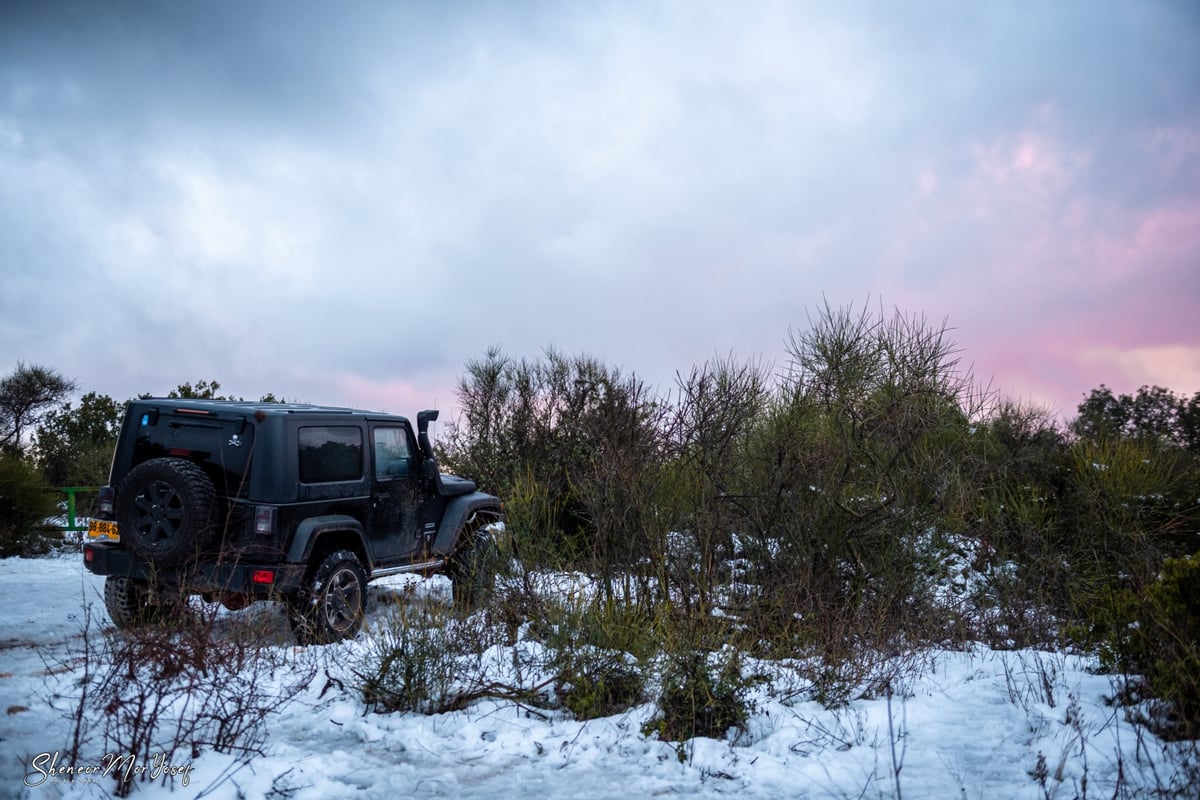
[
  {"x": 393, "y": 458},
  {"x": 330, "y": 453}
]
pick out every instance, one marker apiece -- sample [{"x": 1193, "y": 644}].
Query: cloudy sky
[{"x": 344, "y": 202}]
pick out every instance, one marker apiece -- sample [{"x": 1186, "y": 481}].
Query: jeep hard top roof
[{"x": 255, "y": 407}]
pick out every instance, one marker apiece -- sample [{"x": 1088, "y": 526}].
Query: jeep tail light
[
  {"x": 264, "y": 520},
  {"x": 89, "y": 554},
  {"x": 263, "y": 576},
  {"x": 106, "y": 504}
]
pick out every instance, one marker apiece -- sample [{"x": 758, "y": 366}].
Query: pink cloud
[
  {"x": 385, "y": 394},
  {"x": 1158, "y": 238},
  {"x": 1065, "y": 284},
  {"x": 1141, "y": 366},
  {"x": 1028, "y": 160},
  {"x": 392, "y": 396}
]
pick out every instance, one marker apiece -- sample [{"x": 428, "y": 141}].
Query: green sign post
[{"x": 71, "y": 491}]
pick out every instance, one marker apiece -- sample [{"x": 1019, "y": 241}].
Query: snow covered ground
[{"x": 973, "y": 725}]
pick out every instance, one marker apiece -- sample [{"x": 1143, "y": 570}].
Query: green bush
[
  {"x": 531, "y": 513},
  {"x": 410, "y": 663},
  {"x": 601, "y": 683},
  {"x": 701, "y": 696},
  {"x": 1156, "y": 634},
  {"x": 597, "y": 650},
  {"x": 1064, "y": 526},
  {"x": 846, "y": 474},
  {"x": 26, "y": 500}
]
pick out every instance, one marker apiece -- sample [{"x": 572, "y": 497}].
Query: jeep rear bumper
[{"x": 254, "y": 579}]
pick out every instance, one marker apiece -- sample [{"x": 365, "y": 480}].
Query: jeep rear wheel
[
  {"x": 167, "y": 511},
  {"x": 332, "y": 605}
]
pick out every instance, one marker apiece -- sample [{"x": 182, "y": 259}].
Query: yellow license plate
[{"x": 103, "y": 529}]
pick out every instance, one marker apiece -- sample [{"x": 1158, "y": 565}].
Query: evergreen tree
[{"x": 74, "y": 445}]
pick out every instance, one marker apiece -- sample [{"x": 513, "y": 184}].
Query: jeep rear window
[
  {"x": 330, "y": 453},
  {"x": 222, "y": 446}
]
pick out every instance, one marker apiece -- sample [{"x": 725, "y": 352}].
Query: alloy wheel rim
[
  {"x": 158, "y": 513},
  {"x": 343, "y": 599}
]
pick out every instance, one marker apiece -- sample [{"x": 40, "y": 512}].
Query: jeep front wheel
[
  {"x": 332, "y": 604},
  {"x": 472, "y": 570},
  {"x": 167, "y": 510}
]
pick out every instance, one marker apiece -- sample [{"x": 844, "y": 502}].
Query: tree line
[{"x": 866, "y": 495}]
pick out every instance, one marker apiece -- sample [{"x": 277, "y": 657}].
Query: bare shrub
[
  {"x": 616, "y": 489},
  {"x": 574, "y": 435},
  {"x": 715, "y": 408},
  {"x": 159, "y": 696}
]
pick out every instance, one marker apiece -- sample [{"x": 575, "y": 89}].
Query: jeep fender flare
[
  {"x": 459, "y": 512},
  {"x": 312, "y": 529}
]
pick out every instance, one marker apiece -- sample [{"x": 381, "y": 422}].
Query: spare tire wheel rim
[{"x": 159, "y": 513}]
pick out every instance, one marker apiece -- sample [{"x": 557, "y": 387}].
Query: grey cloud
[{"x": 405, "y": 184}]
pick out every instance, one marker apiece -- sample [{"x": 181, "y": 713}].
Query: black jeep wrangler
[{"x": 302, "y": 504}]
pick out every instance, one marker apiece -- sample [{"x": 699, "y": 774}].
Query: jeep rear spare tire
[{"x": 167, "y": 511}]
